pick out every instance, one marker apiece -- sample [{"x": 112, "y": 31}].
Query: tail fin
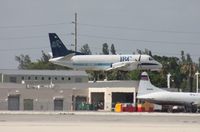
[
  {"x": 58, "y": 48},
  {"x": 145, "y": 86}
]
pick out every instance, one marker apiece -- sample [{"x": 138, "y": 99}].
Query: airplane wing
[{"x": 123, "y": 65}]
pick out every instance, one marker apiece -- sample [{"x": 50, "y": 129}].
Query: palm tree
[{"x": 188, "y": 68}]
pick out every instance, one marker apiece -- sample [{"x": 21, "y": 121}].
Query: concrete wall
[{"x": 43, "y": 98}]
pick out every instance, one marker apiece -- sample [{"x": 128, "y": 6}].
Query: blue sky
[{"x": 163, "y": 26}]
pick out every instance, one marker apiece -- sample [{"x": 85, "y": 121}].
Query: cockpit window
[{"x": 150, "y": 58}]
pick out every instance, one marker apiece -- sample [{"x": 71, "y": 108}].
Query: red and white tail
[{"x": 145, "y": 86}]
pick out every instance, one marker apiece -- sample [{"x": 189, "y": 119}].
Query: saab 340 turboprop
[{"x": 76, "y": 60}]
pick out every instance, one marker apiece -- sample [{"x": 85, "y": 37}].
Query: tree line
[{"x": 182, "y": 69}]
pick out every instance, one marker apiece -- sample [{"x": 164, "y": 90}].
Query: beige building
[
  {"x": 39, "y": 94},
  {"x": 66, "y": 97},
  {"x": 58, "y": 97},
  {"x": 107, "y": 94}
]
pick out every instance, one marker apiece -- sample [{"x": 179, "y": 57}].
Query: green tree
[
  {"x": 24, "y": 61},
  {"x": 86, "y": 49},
  {"x": 135, "y": 74},
  {"x": 148, "y": 52},
  {"x": 45, "y": 57},
  {"x": 182, "y": 56},
  {"x": 188, "y": 69},
  {"x": 112, "y": 49},
  {"x": 42, "y": 63},
  {"x": 139, "y": 51},
  {"x": 105, "y": 49},
  {"x": 170, "y": 65},
  {"x": 199, "y": 64}
]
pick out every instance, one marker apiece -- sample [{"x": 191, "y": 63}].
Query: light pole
[
  {"x": 168, "y": 80},
  {"x": 75, "y": 33},
  {"x": 197, "y": 85}
]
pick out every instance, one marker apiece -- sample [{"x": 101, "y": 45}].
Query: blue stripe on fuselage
[{"x": 92, "y": 64}]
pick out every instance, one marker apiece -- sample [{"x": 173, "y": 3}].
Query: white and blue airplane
[
  {"x": 152, "y": 94},
  {"x": 76, "y": 60}
]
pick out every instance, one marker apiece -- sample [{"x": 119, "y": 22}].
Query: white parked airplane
[
  {"x": 150, "y": 93},
  {"x": 76, "y": 60}
]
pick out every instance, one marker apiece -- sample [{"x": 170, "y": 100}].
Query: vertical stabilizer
[
  {"x": 58, "y": 48},
  {"x": 145, "y": 86}
]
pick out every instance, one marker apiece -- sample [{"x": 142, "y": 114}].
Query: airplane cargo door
[
  {"x": 58, "y": 104},
  {"x": 13, "y": 102}
]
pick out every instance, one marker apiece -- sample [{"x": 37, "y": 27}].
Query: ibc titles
[{"x": 125, "y": 58}]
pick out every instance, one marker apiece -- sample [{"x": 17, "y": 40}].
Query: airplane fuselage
[
  {"x": 103, "y": 62},
  {"x": 172, "y": 98},
  {"x": 150, "y": 93}
]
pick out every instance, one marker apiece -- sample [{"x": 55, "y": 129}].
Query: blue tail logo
[{"x": 58, "y": 48}]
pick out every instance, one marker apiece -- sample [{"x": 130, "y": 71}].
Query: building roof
[
  {"x": 102, "y": 84},
  {"x": 120, "y": 84},
  {"x": 43, "y": 72},
  {"x": 105, "y": 84}
]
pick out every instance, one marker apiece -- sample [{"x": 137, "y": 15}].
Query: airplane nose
[{"x": 158, "y": 67}]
